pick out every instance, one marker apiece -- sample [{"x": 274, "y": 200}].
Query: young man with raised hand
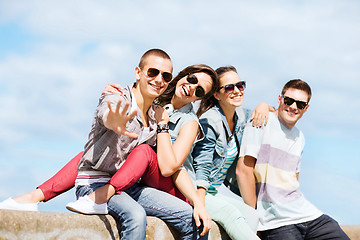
[
  {"x": 123, "y": 122},
  {"x": 268, "y": 173}
]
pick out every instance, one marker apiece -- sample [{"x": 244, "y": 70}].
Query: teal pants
[{"x": 238, "y": 219}]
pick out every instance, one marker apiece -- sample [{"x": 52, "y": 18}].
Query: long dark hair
[
  {"x": 167, "y": 95},
  {"x": 207, "y": 103}
]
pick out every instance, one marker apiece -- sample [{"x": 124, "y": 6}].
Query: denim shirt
[
  {"x": 210, "y": 153},
  {"x": 178, "y": 118}
]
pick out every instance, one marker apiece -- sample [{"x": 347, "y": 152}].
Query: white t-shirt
[{"x": 278, "y": 151}]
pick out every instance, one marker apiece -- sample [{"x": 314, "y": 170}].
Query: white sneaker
[
  {"x": 87, "y": 206},
  {"x": 11, "y": 204}
]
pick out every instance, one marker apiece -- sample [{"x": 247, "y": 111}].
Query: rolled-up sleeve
[
  {"x": 251, "y": 141},
  {"x": 203, "y": 154}
]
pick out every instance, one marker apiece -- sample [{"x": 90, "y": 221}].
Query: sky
[{"x": 56, "y": 57}]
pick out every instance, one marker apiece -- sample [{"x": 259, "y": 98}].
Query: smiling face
[
  {"x": 289, "y": 115},
  {"x": 186, "y": 91},
  {"x": 232, "y": 99},
  {"x": 152, "y": 87}
]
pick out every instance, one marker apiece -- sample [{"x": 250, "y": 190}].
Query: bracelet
[{"x": 161, "y": 128}]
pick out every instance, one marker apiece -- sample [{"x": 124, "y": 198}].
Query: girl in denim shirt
[{"x": 223, "y": 125}]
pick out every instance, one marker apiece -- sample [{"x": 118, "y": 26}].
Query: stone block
[{"x": 24, "y": 225}]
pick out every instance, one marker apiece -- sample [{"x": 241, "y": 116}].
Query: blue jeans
[
  {"x": 129, "y": 215},
  {"x": 172, "y": 210},
  {"x": 132, "y": 205},
  {"x": 324, "y": 227}
]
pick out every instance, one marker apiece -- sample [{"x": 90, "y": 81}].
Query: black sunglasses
[
  {"x": 289, "y": 101},
  {"x": 230, "y": 87},
  {"x": 153, "y": 72},
  {"x": 199, "y": 91}
]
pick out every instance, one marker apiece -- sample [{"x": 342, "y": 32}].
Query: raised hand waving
[{"x": 116, "y": 120}]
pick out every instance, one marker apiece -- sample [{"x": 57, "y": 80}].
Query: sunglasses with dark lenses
[
  {"x": 199, "y": 91},
  {"x": 230, "y": 87},
  {"x": 153, "y": 72},
  {"x": 289, "y": 101}
]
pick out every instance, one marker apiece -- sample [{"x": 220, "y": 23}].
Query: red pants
[
  {"x": 141, "y": 163},
  {"x": 63, "y": 180}
]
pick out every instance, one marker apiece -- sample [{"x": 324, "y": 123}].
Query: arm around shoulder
[{"x": 260, "y": 115}]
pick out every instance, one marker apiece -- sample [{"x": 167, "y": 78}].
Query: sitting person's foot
[
  {"x": 11, "y": 204},
  {"x": 87, "y": 206}
]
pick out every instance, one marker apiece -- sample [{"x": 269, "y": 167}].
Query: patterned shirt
[{"x": 106, "y": 151}]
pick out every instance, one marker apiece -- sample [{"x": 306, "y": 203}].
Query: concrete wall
[{"x": 21, "y": 225}]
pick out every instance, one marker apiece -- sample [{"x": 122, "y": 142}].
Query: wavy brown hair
[{"x": 168, "y": 94}]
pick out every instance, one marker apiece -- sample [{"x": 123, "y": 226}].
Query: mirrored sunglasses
[{"x": 228, "y": 88}]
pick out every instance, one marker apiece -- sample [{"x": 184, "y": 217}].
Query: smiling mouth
[
  {"x": 291, "y": 113},
  {"x": 155, "y": 86},
  {"x": 237, "y": 97},
  {"x": 185, "y": 91}
]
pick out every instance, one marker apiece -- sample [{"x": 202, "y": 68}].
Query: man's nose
[
  {"x": 293, "y": 105},
  {"x": 159, "y": 78}
]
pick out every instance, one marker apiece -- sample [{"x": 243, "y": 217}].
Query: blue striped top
[{"x": 232, "y": 151}]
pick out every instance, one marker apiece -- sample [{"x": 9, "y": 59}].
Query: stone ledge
[
  {"x": 16, "y": 225},
  {"x": 352, "y": 231}
]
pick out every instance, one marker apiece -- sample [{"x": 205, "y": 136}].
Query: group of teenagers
[{"x": 150, "y": 154}]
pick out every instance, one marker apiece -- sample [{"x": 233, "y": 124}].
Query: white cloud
[
  {"x": 53, "y": 91},
  {"x": 89, "y": 43}
]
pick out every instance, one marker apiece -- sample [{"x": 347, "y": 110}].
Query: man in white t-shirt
[{"x": 268, "y": 173}]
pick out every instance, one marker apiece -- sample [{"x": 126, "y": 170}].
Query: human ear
[
  {"x": 137, "y": 73},
  {"x": 306, "y": 108}
]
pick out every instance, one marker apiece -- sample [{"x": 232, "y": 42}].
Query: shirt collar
[
  {"x": 134, "y": 106},
  {"x": 188, "y": 108},
  {"x": 226, "y": 125}
]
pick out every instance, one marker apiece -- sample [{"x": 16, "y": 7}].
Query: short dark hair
[
  {"x": 297, "y": 84},
  {"x": 153, "y": 52}
]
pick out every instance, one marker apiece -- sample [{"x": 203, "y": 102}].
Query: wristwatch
[{"x": 162, "y": 128}]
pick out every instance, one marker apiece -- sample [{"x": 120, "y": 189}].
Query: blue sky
[{"x": 56, "y": 58}]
